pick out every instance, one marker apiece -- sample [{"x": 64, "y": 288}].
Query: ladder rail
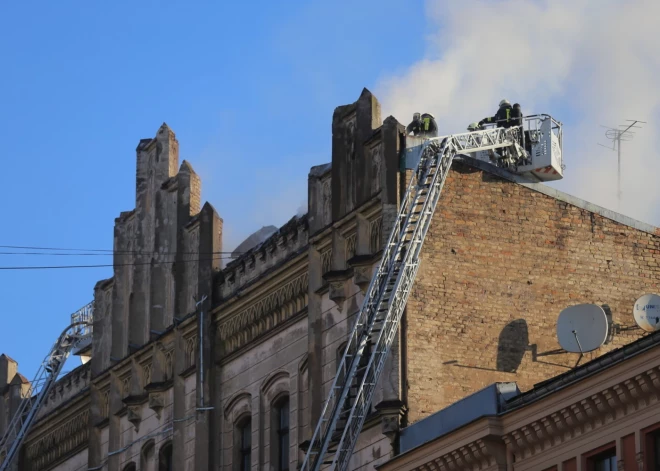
[
  {"x": 396, "y": 306},
  {"x": 359, "y": 335},
  {"x": 356, "y": 344},
  {"x": 402, "y": 253},
  {"x": 38, "y": 390}
]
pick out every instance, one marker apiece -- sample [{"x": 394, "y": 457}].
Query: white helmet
[
  {"x": 473, "y": 126},
  {"x": 504, "y": 102}
]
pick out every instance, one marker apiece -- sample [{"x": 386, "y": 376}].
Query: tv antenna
[{"x": 617, "y": 135}]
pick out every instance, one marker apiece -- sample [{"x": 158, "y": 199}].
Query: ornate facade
[
  {"x": 600, "y": 416},
  {"x": 198, "y": 367}
]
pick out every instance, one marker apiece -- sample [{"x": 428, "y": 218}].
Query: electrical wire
[
  {"x": 103, "y": 251},
  {"x": 167, "y": 262},
  {"x": 58, "y": 254}
]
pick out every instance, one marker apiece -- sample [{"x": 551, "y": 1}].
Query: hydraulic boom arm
[
  {"x": 349, "y": 399},
  {"x": 44, "y": 380}
]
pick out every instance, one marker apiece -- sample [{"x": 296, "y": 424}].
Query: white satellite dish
[
  {"x": 647, "y": 312},
  {"x": 582, "y": 328}
]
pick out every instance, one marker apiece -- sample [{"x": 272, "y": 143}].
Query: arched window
[
  {"x": 280, "y": 427},
  {"x": 165, "y": 458},
  {"x": 243, "y": 445},
  {"x": 148, "y": 457},
  {"x": 130, "y": 467}
]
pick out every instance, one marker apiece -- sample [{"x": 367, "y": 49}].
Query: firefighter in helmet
[
  {"x": 423, "y": 125},
  {"x": 503, "y": 118}
]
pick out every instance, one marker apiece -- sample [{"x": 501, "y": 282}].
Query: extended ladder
[
  {"x": 349, "y": 399},
  {"x": 49, "y": 370}
]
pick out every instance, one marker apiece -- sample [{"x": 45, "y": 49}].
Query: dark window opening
[
  {"x": 605, "y": 461},
  {"x": 165, "y": 458},
  {"x": 245, "y": 445},
  {"x": 281, "y": 426}
]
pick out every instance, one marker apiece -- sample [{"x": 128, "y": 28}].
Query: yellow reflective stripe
[
  {"x": 427, "y": 122},
  {"x": 508, "y": 114}
]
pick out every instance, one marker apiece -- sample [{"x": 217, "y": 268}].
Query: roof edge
[{"x": 560, "y": 195}]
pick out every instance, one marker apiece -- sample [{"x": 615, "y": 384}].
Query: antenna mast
[{"x": 617, "y": 135}]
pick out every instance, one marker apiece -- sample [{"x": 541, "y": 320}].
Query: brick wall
[{"x": 499, "y": 263}]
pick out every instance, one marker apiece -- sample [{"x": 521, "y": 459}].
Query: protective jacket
[{"x": 503, "y": 118}]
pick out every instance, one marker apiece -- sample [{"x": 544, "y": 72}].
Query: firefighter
[
  {"x": 474, "y": 127},
  {"x": 516, "y": 114},
  {"x": 423, "y": 125},
  {"x": 503, "y": 116},
  {"x": 415, "y": 126},
  {"x": 429, "y": 126}
]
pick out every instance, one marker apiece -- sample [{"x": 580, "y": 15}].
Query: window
[
  {"x": 281, "y": 434},
  {"x": 605, "y": 461},
  {"x": 243, "y": 445},
  {"x": 652, "y": 451},
  {"x": 656, "y": 451},
  {"x": 130, "y": 467},
  {"x": 148, "y": 457},
  {"x": 165, "y": 458}
]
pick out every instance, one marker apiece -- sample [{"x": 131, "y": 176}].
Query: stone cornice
[
  {"x": 259, "y": 287},
  {"x": 585, "y": 414},
  {"x": 287, "y": 243},
  {"x": 559, "y": 399},
  {"x": 64, "y": 433},
  {"x": 476, "y": 446},
  {"x": 263, "y": 313}
]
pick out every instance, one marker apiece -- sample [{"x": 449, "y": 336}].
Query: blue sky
[{"x": 249, "y": 90}]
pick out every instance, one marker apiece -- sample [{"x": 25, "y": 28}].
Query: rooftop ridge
[{"x": 560, "y": 195}]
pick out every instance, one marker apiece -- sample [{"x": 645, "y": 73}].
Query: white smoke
[{"x": 587, "y": 63}]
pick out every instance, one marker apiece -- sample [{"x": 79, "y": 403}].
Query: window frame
[
  {"x": 651, "y": 437},
  {"x": 165, "y": 463},
  {"x": 278, "y": 431},
  {"x": 605, "y": 451},
  {"x": 240, "y": 452}
]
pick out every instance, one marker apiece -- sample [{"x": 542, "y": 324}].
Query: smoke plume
[{"x": 587, "y": 63}]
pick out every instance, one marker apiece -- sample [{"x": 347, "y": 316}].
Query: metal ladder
[
  {"x": 349, "y": 399},
  {"x": 49, "y": 370}
]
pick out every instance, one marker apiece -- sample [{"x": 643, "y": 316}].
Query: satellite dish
[
  {"x": 582, "y": 328},
  {"x": 647, "y": 312}
]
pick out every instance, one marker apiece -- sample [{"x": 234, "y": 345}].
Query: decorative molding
[
  {"x": 191, "y": 351},
  {"x": 326, "y": 259},
  {"x": 126, "y": 386},
  {"x": 237, "y": 406},
  {"x": 134, "y": 416},
  {"x": 375, "y": 231},
  {"x": 58, "y": 443},
  {"x": 169, "y": 365},
  {"x": 586, "y": 415},
  {"x": 264, "y": 314},
  {"x": 105, "y": 404},
  {"x": 146, "y": 373},
  {"x": 156, "y": 402},
  {"x": 480, "y": 454},
  {"x": 351, "y": 242}
]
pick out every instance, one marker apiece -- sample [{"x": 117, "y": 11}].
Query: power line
[
  {"x": 109, "y": 251},
  {"x": 55, "y": 267},
  {"x": 58, "y": 254}
]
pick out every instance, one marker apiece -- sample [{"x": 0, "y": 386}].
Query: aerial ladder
[
  {"x": 349, "y": 399},
  {"x": 75, "y": 335}
]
